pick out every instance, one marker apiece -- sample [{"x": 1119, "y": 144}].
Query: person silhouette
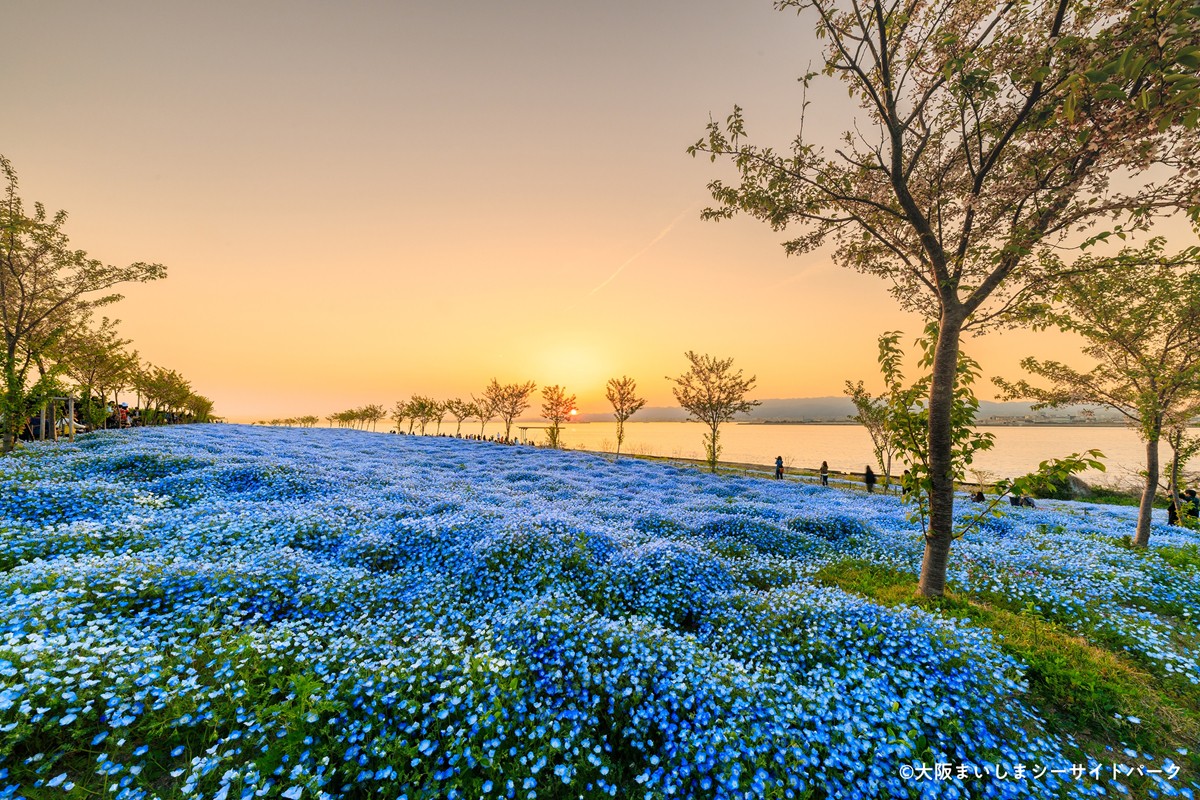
[{"x": 779, "y": 467}]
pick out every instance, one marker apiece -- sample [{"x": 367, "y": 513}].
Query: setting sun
[{"x": 701, "y": 399}]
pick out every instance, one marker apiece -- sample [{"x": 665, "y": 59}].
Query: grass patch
[
  {"x": 1081, "y": 688},
  {"x": 1180, "y": 557},
  {"x": 1116, "y": 497}
]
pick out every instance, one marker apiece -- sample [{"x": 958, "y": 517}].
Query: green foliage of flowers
[
  {"x": 1088, "y": 692},
  {"x": 226, "y": 612}
]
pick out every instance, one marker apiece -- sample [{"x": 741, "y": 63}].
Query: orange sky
[{"x": 359, "y": 201}]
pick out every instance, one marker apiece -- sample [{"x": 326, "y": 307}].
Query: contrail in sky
[
  {"x": 795, "y": 276},
  {"x": 661, "y": 235}
]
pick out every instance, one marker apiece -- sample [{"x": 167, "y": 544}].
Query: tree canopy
[
  {"x": 508, "y": 401},
  {"x": 622, "y": 393},
  {"x": 1139, "y": 316},
  {"x": 461, "y": 410},
  {"x": 556, "y": 408},
  {"x": 46, "y": 288},
  {"x": 985, "y": 138},
  {"x": 711, "y": 392},
  {"x": 873, "y": 414}
]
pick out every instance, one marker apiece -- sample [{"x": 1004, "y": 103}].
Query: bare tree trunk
[
  {"x": 1142, "y": 536},
  {"x": 941, "y": 467}
]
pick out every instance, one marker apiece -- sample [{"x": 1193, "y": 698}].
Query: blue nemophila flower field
[{"x": 226, "y": 612}]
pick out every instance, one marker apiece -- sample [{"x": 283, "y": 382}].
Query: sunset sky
[{"x": 362, "y": 200}]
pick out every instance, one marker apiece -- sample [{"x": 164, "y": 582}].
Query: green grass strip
[{"x": 1081, "y": 688}]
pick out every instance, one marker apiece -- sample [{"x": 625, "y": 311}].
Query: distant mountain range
[{"x": 834, "y": 409}]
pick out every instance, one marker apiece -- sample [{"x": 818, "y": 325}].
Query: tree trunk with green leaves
[
  {"x": 712, "y": 446},
  {"x": 557, "y": 409},
  {"x": 622, "y": 393},
  {"x": 941, "y": 462},
  {"x": 14, "y": 409},
  {"x": 712, "y": 393},
  {"x": 984, "y": 141},
  {"x": 46, "y": 286},
  {"x": 1141, "y": 537},
  {"x": 1139, "y": 317}
]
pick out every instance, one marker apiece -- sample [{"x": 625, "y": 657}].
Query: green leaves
[
  {"x": 906, "y": 416},
  {"x": 1154, "y": 72},
  {"x": 1189, "y": 57},
  {"x": 47, "y": 289},
  {"x": 1139, "y": 315},
  {"x": 873, "y": 413},
  {"x": 622, "y": 393},
  {"x": 983, "y": 136},
  {"x": 1050, "y": 473},
  {"x": 712, "y": 393}
]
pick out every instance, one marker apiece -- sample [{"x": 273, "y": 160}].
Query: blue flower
[{"x": 351, "y": 613}]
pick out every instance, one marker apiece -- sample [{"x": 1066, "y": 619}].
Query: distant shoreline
[
  {"x": 849, "y": 423},
  {"x": 994, "y": 424}
]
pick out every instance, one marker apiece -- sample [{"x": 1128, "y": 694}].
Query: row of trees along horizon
[
  {"x": 993, "y": 158},
  {"x": 1158, "y": 391},
  {"x": 710, "y": 391},
  {"x": 990, "y": 161},
  {"x": 53, "y": 344}
]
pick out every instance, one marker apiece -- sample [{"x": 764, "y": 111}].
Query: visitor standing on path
[
  {"x": 824, "y": 473},
  {"x": 869, "y": 480},
  {"x": 779, "y": 467}
]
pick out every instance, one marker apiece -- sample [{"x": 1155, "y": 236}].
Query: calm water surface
[{"x": 1018, "y": 450}]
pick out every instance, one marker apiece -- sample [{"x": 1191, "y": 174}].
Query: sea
[{"x": 1018, "y": 449}]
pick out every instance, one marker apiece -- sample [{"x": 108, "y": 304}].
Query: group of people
[
  {"x": 824, "y": 473},
  {"x": 1018, "y": 500},
  {"x": 122, "y": 416},
  {"x": 474, "y": 437},
  {"x": 1188, "y": 503}
]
